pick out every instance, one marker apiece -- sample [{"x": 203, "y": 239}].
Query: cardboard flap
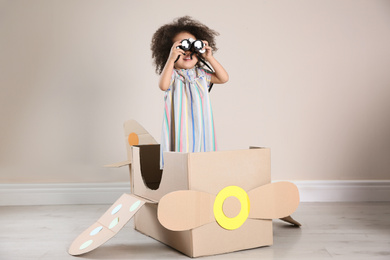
[
  {"x": 188, "y": 209},
  {"x": 185, "y": 210},
  {"x": 119, "y": 164},
  {"x": 113, "y": 220},
  {"x": 290, "y": 220},
  {"x": 274, "y": 200}
]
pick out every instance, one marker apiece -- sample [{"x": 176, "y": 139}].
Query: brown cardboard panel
[
  {"x": 146, "y": 222},
  {"x": 184, "y": 210},
  {"x": 275, "y": 200},
  {"x": 108, "y": 224},
  {"x": 211, "y": 239},
  {"x": 174, "y": 176},
  {"x": 212, "y": 171}
]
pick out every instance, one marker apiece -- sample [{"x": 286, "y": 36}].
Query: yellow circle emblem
[{"x": 220, "y": 217}]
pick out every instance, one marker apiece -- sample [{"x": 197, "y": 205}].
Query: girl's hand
[
  {"x": 220, "y": 75},
  {"x": 166, "y": 74},
  {"x": 209, "y": 52},
  {"x": 175, "y": 51}
]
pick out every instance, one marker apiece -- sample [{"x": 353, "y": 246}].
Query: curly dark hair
[{"x": 163, "y": 38}]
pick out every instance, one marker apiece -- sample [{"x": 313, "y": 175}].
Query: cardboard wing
[
  {"x": 188, "y": 209},
  {"x": 135, "y": 134},
  {"x": 118, "y": 164},
  {"x": 109, "y": 224}
]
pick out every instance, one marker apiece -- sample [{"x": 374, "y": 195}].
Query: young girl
[{"x": 188, "y": 124}]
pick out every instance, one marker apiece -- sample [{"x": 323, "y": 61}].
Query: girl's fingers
[
  {"x": 176, "y": 45},
  {"x": 178, "y": 50},
  {"x": 208, "y": 49},
  {"x": 206, "y": 46}
]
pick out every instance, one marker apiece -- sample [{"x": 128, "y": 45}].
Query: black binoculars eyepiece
[{"x": 192, "y": 45}]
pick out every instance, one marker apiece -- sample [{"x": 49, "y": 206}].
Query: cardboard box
[
  {"x": 200, "y": 204},
  {"x": 208, "y": 172}
]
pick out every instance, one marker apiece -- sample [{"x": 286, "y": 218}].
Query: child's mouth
[{"x": 187, "y": 58}]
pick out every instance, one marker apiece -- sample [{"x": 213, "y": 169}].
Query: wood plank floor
[{"x": 329, "y": 231}]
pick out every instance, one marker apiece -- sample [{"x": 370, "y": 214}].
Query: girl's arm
[
  {"x": 220, "y": 75},
  {"x": 166, "y": 74}
]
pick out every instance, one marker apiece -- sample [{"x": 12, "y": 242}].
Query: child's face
[{"x": 185, "y": 62}]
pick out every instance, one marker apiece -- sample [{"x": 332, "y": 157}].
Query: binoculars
[{"x": 192, "y": 45}]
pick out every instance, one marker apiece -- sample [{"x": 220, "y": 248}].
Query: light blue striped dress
[{"x": 188, "y": 124}]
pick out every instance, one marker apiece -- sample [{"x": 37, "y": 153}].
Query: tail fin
[{"x": 135, "y": 134}]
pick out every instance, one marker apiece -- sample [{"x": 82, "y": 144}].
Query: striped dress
[{"x": 188, "y": 124}]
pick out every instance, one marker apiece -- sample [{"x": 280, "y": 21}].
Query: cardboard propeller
[{"x": 188, "y": 209}]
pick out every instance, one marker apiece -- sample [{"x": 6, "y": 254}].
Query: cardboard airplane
[{"x": 200, "y": 204}]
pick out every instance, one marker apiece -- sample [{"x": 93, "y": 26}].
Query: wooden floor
[{"x": 329, "y": 231}]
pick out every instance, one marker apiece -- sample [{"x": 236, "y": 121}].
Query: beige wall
[{"x": 310, "y": 79}]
